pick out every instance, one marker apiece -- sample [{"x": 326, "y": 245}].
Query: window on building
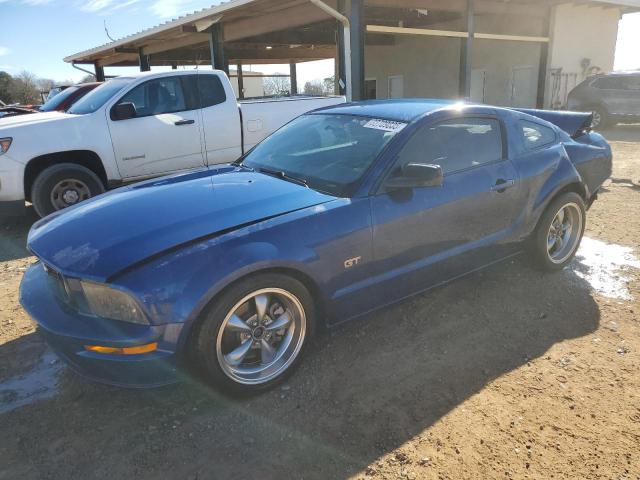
[
  {"x": 455, "y": 145},
  {"x": 536, "y": 135}
]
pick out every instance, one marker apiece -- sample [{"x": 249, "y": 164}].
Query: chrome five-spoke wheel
[
  {"x": 558, "y": 233},
  {"x": 261, "y": 336},
  {"x": 564, "y": 233}
]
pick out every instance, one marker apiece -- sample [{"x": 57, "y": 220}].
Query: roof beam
[
  {"x": 173, "y": 44},
  {"x": 296, "y": 16}
]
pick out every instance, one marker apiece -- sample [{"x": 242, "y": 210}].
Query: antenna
[{"x": 107, "y": 31}]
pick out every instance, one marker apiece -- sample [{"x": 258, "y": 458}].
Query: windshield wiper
[{"x": 284, "y": 176}]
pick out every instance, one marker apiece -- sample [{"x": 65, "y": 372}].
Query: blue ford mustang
[{"x": 340, "y": 212}]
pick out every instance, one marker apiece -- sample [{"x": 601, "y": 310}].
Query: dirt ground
[{"x": 508, "y": 373}]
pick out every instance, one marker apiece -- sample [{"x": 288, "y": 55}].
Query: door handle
[
  {"x": 184, "y": 122},
  {"x": 502, "y": 185}
]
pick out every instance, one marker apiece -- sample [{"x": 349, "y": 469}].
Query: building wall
[
  {"x": 579, "y": 32},
  {"x": 430, "y": 68},
  {"x": 510, "y": 72},
  {"x": 429, "y": 65},
  {"x": 253, "y": 86}
]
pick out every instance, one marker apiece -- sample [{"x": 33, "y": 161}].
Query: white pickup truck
[{"x": 131, "y": 128}]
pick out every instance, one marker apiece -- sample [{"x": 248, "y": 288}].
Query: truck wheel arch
[{"x": 85, "y": 158}]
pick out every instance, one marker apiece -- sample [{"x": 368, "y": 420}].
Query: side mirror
[
  {"x": 123, "y": 111},
  {"x": 416, "y": 175}
]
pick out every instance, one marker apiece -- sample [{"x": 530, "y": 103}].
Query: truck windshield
[
  {"x": 329, "y": 153},
  {"x": 93, "y": 100}
]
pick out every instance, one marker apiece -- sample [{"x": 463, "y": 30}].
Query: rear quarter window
[{"x": 536, "y": 136}]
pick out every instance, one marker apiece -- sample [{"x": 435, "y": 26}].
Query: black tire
[
  {"x": 538, "y": 243},
  {"x": 83, "y": 182},
  {"x": 601, "y": 119},
  {"x": 206, "y": 336}
]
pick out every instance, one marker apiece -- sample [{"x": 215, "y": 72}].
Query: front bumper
[{"x": 67, "y": 332}]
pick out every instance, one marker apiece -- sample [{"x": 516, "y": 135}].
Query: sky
[{"x": 36, "y": 34}]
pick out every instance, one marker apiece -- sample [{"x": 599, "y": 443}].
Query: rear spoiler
[{"x": 575, "y": 124}]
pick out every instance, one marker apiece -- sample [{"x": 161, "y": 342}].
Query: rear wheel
[
  {"x": 559, "y": 232},
  {"x": 63, "y": 185},
  {"x": 255, "y": 333},
  {"x": 601, "y": 119}
]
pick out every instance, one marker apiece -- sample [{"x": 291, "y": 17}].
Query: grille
[{"x": 57, "y": 282}]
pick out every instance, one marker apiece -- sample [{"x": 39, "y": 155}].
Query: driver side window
[
  {"x": 456, "y": 144},
  {"x": 163, "y": 95}
]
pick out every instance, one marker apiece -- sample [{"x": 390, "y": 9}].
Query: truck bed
[{"x": 261, "y": 117}]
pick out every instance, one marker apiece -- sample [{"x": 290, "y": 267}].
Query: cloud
[
  {"x": 4, "y": 51},
  {"x": 171, "y": 8}
]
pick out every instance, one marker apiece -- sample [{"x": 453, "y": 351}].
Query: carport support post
[
  {"x": 466, "y": 52},
  {"x": 341, "y": 79},
  {"x": 293, "y": 74},
  {"x": 240, "y": 81},
  {"x": 356, "y": 19},
  {"x": 544, "y": 61},
  {"x": 99, "y": 69},
  {"x": 216, "y": 45},
  {"x": 143, "y": 60}
]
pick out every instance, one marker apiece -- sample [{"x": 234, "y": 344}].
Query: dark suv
[{"x": 613, "y": 98}]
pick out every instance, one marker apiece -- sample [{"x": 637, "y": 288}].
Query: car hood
[
  {"x": 34, "y": 118},
  {"x": 101, "y": 237}
]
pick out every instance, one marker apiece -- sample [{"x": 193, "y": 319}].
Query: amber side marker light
[{"x": 149, "y": 347}]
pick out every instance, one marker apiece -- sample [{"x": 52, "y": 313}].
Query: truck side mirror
[{"x": 123, "y": 111}]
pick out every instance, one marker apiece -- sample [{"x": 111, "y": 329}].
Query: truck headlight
[
  {"x": 5, "y": 143},
  {"x": 107, "y": 302}
]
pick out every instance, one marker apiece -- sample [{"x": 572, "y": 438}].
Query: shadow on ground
[
  {"x": 361, "y": 392},
  {"x": 13, "y": 235}
]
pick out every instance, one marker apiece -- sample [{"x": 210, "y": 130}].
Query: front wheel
[
  {"x": 559, "y": 232},
  {"x": 253, "y": 336},
  {"x": 63, "y": 185}
]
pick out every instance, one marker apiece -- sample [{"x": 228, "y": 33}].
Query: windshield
[
  {"x": 328, "y": 152},
  {"x": 54, "y": 92},
  {"x": 93, "y": 100},
  {"x": 54, "y": 103}
]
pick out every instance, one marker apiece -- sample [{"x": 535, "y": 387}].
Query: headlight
[
  {"x": 108, "y": 302},
  {"x": 5, "y": 143}
]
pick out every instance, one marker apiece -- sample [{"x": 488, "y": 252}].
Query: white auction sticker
[{"x": 386, "y": 125}]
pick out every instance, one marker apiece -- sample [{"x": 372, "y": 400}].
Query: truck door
[
  {"x": 164, "y": 136},
  {"x": 222, "y": 134}
]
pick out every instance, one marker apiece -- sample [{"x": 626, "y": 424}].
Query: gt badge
[{"x": 352, "y": 262}]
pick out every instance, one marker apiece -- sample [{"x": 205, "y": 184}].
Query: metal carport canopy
[{"x": 191, "y": 34}]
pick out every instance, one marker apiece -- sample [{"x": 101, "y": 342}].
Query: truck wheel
[
  {"x": 63, "y": 185},
  {"x": 253, "y": 336},
  {"x": 559, "y": 232}
]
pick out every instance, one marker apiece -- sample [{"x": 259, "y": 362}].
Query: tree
[
  {"x": 88, "y": 78},
  {"x": 6, "y": 81},
  {"x": 277, "y": 86},
  {"x": 314, "y": 87},
  {"x": 45, "y": 84},
  {"x": 24, "y": 88}
]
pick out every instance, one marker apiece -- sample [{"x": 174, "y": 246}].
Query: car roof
[
  {"x": 401, "y": 110},
  {"x": 622, "y": 73}
]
